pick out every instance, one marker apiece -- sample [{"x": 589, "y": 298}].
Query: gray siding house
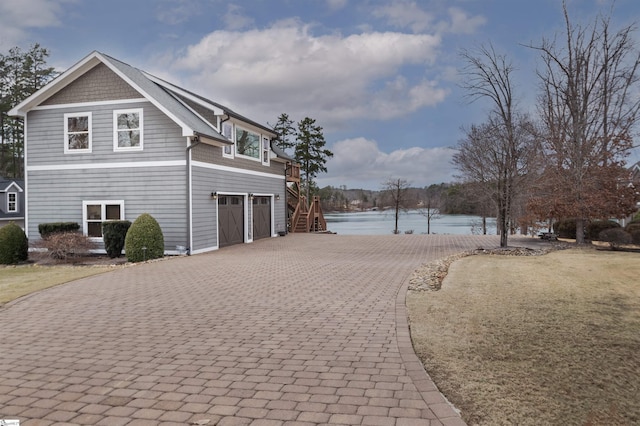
[
  {"x": 11, "y": 202},
  {"x": 107, "y": 141}
]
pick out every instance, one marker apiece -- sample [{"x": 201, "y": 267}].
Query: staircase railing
[
  {"x": 300, "y": 214},
  {"x": 315, "y": 218}
]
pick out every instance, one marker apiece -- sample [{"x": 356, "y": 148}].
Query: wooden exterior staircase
[{"x": 303, "y": 217}]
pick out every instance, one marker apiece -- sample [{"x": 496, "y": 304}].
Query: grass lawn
[
  {"x": 535, "y": 340},
  {"x": 18, "y": 281}
]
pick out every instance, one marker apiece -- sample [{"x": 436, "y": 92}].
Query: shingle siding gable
[{"x": 96, "y": 85}]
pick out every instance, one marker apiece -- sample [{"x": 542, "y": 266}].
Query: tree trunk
[
  {"x": 580, "y": 231},
  {"x": 504, "y": 231},
  {"x": 395, "y": 231}
]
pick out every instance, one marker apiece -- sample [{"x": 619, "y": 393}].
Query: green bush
[
  {"x": 594, "y": 228},
  {"x": 144, "y": 239},
  {"x": 636, "y": 217},
  {"x": 14, "y": 245},
  {"x": 565, "y": 228},
  {"x": 635, "y": 236},
  {"x": 47, "y": 229},
  {"x": 114, "y": 233},
  {"x": 615, "y": 237}
]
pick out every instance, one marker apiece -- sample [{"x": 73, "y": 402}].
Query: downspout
[
  {"x": 222, "y": 121},
  {"x": 195, "y": 141},
  {"x": 286, "y": 202}
]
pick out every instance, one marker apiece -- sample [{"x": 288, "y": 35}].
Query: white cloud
[
  {"x": 17, "y": 16},
  {"x": 462, "y": 23},
  {"x": 176, "y": 12},
  {"x": 409, "y": 14},
  {"x": 234, "y": 19},
  {"x": 332, "y": 78},
  {"x": 359, "y": 163},
  {"x": 405, "y": 14},
  {"x": 336, "y": 4}
]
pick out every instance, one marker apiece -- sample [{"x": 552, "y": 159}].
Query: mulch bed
[{"x": 429, "y": 276}]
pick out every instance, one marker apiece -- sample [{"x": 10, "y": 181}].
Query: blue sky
[{"x": 380, "y": 77}]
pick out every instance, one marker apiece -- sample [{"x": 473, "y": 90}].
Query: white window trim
[
  {"x": 117, "y": 148},
  {"x": 66, "y": 133},
  {"x": 259, "y": 143},
  {"x": 265, "y": 146},
  {"x": 103, "y": 204},
  {"x": 15, "y": 202},
  {"x": 232, "y": 139}
]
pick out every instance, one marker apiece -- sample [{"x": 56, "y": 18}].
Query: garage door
[
  {"x": 261, "y": 217},
  {"x": 230, "y": 220}
]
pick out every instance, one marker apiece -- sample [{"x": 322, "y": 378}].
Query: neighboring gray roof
[
  {"x": 6, "y": 186},
  {"x": 6, "y": 182}
]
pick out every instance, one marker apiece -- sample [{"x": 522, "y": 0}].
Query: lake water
[{"x": 383, "y": 222}]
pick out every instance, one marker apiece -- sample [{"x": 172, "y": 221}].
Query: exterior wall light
[{"x": 214, "y": 195}]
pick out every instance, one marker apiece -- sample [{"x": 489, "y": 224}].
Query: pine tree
[
  {"x": 285, "y": 130},
  {"x": 21, "y": 75},
  {"x": 310, "y": 152}
]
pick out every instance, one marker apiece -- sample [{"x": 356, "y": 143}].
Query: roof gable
[
  {"x": 98, "y": 84},
  {"x": 177, "y": 103},
  {"x": 7, "y": 185},
  {"x": 191, "y": 124}
]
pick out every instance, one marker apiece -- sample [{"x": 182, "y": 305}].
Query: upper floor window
[
  {"x": 227, "y": 132},
  {"x": 127, "y": 130},
  {"x": 12, "y": 202},
  {"x": 77, "y": 132},
  {"x": 248, "y": 143}
]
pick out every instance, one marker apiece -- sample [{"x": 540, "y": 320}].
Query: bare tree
[
  {"x": 589, "y": 105},
  {"x": 396, "y": 191},
  {"x": 496, "y": 153},
  {"x": 431, "y": 205}
]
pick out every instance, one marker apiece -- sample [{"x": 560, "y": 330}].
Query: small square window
[{"x": 97, "y": 212}]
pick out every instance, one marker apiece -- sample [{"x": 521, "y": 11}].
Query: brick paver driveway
[{"x": 300, "y": 330}]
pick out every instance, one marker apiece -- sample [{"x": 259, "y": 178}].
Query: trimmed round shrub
[
  {"x": 565, "y": 228},
  {"x": 635, "y": 236},
  {"x": 14, "y": 245},
  {"x": 114, "y": 233},
  {"x": 594, "y": 228},
  {"x": 615, "y": 237},
  {"x": 144, "y": 239}
]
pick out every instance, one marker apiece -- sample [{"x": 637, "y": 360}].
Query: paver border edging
[{"x": 435, "y": 400}]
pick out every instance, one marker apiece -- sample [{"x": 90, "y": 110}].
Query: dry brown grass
[
  {"x": 18, "y": 281},
  {"x": 551, "y": 339}
]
